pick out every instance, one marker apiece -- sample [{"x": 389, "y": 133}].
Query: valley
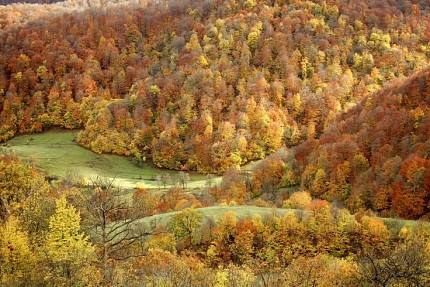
[{"x": 215, "y": 143}]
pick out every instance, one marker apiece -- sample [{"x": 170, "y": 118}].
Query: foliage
[
  {"x": 17, "y": 259},
  {"x": 186, "y": 224},
  {"x": 202, "y": 85},
  {"x": 20, "y": 184},
  {"x": 66, "y": 246},
  {"x": 209, "y": 86},
  {"x": 386, "y": 167}
]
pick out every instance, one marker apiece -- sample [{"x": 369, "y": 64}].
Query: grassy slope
[
  {"x": 215, "y": 213},
  {"x": 246, "y": 211},
  {"x": 56, "y": 153}
]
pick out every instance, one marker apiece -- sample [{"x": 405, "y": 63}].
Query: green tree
[
  {"x": 254, "y": 36},
  {"x": 185, "y": 225}
]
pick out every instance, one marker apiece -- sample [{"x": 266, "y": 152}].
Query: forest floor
[{"x": 56, "y": 153}]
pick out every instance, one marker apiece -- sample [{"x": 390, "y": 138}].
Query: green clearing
[{"x": 56, "y": 153}]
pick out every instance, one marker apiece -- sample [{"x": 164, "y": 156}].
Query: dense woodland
[
  {"x": 205, "y": 85},
  {"x": 334, "y": 95},
  {"x": 373, "y": 157},
  {"x": 376, "y": 156},
  {"x": 28, "y": 12}
]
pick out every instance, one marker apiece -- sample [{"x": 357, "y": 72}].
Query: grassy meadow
[{"x": 56, "y": 153}]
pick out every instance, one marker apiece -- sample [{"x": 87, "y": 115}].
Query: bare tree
[
  {"x": 158, "y": 181},
  {"x": 165, "y": 179},
  {"x": 113, "y": 222},
  {"x": 407, "y": 265},
  {"x": 183, "y": 179}
]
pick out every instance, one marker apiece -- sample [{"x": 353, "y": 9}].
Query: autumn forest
[{"x": 218, "y": 143}]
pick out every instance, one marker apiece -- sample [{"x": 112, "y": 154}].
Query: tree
[
  {"x": 184, "y": 178},
  {"x": 185, "y": 225},
  {"x": 67, "y": 247},
  {"x": 16, "y": 257},
  {"x": 194, "y": 44},
  {"x": 321, "y": 271},
  {"x": 165, "y": 179},
  {"x": 245, "y": 58},
  {"x": 111, "y": 217},
  {"x": 163, "y": 268},
  {"x": 168, "y": 149},
  {"x": 19, "y": 183},
  {"x": 267, "y": 176},
  {"x": 233, "y": 187},
  {"x": 254, "y": 36},
  {"x": 299, "y": 200},
  {"x": 407, "y": 265},
  {"x": 240, "y": 276},
  {"x": 250, "y": 3},
  {"x": 144, "y": 202}
]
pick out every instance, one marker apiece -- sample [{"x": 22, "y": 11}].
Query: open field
[{"x": 56, "y": 153}]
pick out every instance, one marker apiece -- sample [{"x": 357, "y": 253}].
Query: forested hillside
[
  {"x": 375, "y": 156},
  {"x": 16, "y": 13},
  {"x": 316, "y": 114},
  {"x": 204, "y": 85}
]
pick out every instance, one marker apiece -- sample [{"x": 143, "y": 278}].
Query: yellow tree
[
  {"x": 16, "y": 258},
  {"x": 67, "y": 247},
  {"x": 321, "y": 271},
  {"x": 299, "y": 200},
  {"x": 23, "y": 193}
]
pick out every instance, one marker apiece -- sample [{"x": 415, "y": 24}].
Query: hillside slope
[
  {"x": 204, "y": 85},
  {"x": 377, "y": 155}
]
